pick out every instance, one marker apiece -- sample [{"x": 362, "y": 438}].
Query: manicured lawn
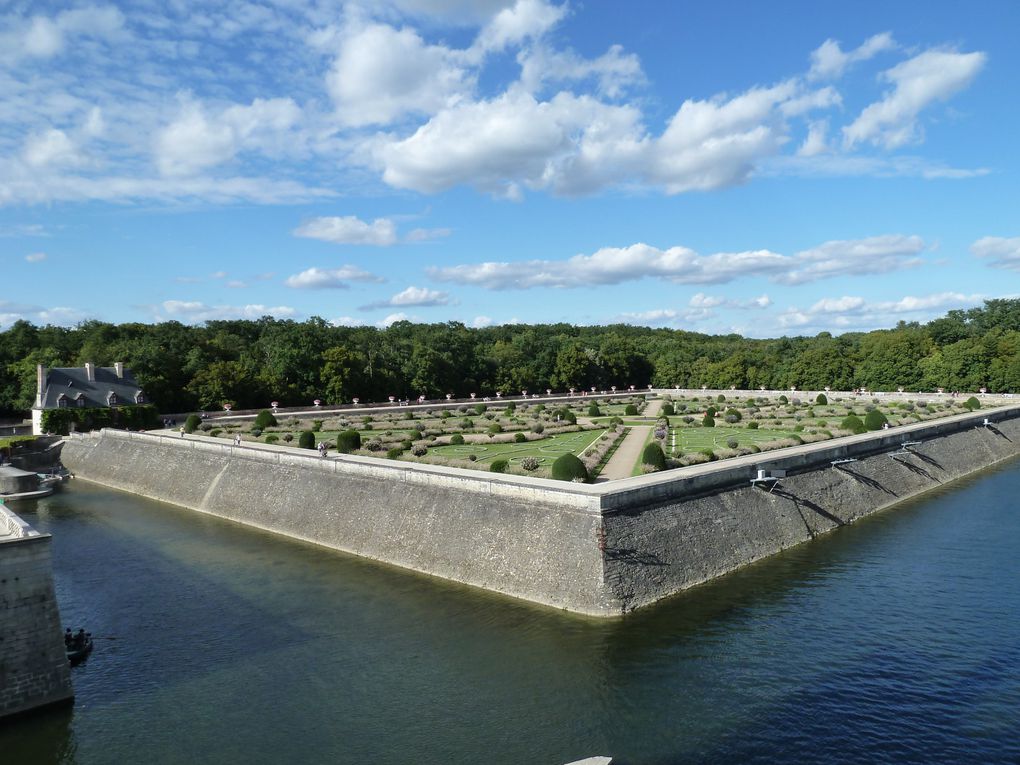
[
  {"x": 546, "y": 450},
  {"x": 696, "y": 439}
]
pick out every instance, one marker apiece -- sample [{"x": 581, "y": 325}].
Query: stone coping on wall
[
  {"x": 14, "y": 528},
  {"x": 598, "y": 498}
]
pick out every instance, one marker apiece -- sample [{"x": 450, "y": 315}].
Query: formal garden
[{"x": 574, "y": 440}]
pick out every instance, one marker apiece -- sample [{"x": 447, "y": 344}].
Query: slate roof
[{"x": 74, "y": 383}]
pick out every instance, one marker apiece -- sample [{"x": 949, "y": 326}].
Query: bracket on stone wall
[
  {"x": 904, "y": 449},
  {"x": 837, "y": 463},
  {"x": 766, "y": 478}
]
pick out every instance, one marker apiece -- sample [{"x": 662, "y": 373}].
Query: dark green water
[{"x": 894, "y": 640}]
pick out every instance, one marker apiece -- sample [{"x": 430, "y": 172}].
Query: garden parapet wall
[{"x": 601, "y": 549}]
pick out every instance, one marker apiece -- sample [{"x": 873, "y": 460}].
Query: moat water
[{"x": 893, "y": 640}]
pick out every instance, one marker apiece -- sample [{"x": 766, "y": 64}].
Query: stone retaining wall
[
  {"x": 33, "y": 666},
  {"x": 596, "y": 549}
]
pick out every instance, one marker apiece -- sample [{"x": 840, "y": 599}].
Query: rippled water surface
[{"x": 894, "y": 640}]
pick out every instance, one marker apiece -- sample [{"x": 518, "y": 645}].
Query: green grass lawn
[
  {"x": 696, "y": 439},
  {"x": 546, "y": 450}
]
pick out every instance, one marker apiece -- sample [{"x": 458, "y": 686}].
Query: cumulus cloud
[
  {"x": 393, "y": 318},
  {"x": 412, "y": 296},
  {"x": 854, "y": 257},
  {"x": 828, "y": 61},
  {"x": 935, "y": 75},
  {"x": 855, "y": 312},
  {"x": 196, "y": 141},
  {"x": 1001, "y": 252},
  {"x": 52, "y": 147},
  {"x": 481, "y": 321},
  {"x": 43, "y": 37},
  {"x": 681, "y": 265},
  {"x": 382, "y": 74},
  {"x": 349, "y": 230},
  {"x": 330, "y": 278},
  {"x": 195, "y": 311}
]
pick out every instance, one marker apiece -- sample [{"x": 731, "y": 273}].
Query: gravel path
[{"x": 621, "y": 464}]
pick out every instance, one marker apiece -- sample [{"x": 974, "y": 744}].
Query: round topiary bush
[
  {"x": 394, "y": 453},
  {"x": 630, "y": 410},
  {"x": 853, "y": 423},
  {"x": 668, "y": 410},
  {"x": 348, "y": 441},
  {"x": 272, "y": 438},
  {"x": 480, "y": 408},
  {"x": 419, "y": 450},
  {"x": 972, "y": 403},
  {"x": 265, "y": 419},
  {"x": 653, "y": 456},
  {"x": 567, "y": 467},
  {"x": 821, "y": 399},
  {"x": 495, "y": 428},
  {"x": 875, "y": 420},
  {"x": 288, "y": 437},
  {"x": 192, "y": 423},
  {"x": 520, "y": 438},
  {"x": 784, "y": 400},
  {"x": 316, "y": 426},
  {"x": 593, "y": 411},
  {"x": 708, "y": 421},
  {"x": 566, "y": 415},
  {"x": 306, "y": 440},
  {"x": 457, "y": 438},
  {"x": 753, "y": 425},
  {"x": 732, "y": 443},
  {"x": 215, "y": 432},
  {"x": 721, "y": 398},
  {"x": 498, "y": 466},
  {"x": 530, "y": 463},
  {"x": 256, "y": 432}
]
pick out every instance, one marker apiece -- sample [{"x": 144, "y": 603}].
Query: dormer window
[
  {"x": 111, "y": 400},
  {"x": 80, "y": 399},
  {"x": 139, "y": 398},
  {"x": 62, "y": 401}
]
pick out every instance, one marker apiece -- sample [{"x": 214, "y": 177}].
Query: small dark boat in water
[{"x": 78, "y": 650}]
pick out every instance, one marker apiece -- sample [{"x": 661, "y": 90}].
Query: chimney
[
  {"x": 40, "y": 384},
  {"x": 118, "y": 367},
  {"x": 90, "y": 371}
]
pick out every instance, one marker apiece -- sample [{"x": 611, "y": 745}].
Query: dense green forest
[{"x": 250, "y": 363}]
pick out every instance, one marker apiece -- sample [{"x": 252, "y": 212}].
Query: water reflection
[{"x": 893, "y": 639}]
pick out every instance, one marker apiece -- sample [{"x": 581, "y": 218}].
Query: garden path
[{"x": 621, "y": 464}]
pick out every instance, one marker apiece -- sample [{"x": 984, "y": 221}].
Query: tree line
[{"x": 252, "y": 362}]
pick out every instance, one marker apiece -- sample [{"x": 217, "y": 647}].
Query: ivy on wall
[{"x": 133, "y": 417}]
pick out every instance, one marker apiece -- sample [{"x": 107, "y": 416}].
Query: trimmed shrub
[
  {"x": 456, "y": 438},
  {"x": 467, "y": 423},
  {"x": 708, "y": 421},
  {"x": 594, "y": 411},
  {"x": 205, "y": 427},
  {"x": 192, "y": 423},
  {"x": 472, "y": 457},
  {"x": 566, "y": 415},
  {"x": 721, "y": 398},
  {"x": 784, "y": 400},
  {"x": 306, "y": 440},
  {"x": 215, "y": 432},
  {"x": 538, "y": 428},
  {"x": 256, "y": 432},
  {"x": 316, "y": 426},
  {"x": 265, "y": 419},
  {"x": 520, "y": 438},
  {"x": 731, "y": 412},
  {"x": 348, "y": 441},
  {"x": 375, "y": 445},
  {"x": 272, "y": 438},
  {"x": 530, "y": 463},
  {"x": 711, "y": 411},
  {"x": 874, "y": 420},
  {"x": 394, "y": 453},
  {"x": 753, "y": 425},
  {"x": 972, "y": 403},
  {"x": 498, "y": 466},
  {"x": 480, "y": 408},
  {"x": 732, "y": 443},
  {"x": 630, "y": 410},
  {"x": 288, "y": 437},
  {"x": 853, "y": 423},
  {"x": 712, "y": 456},
  {"x": 668, "y": 410},
  {"x": 419, "y": 450},
  {"x": 567, "y": 467},
  {"x": 495, "y": 428},
  {"x": 821, "y": 399},
  {"x": 653, "y": 456}
]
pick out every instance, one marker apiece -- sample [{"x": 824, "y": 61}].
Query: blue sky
[{"x": 760, "y": 168}]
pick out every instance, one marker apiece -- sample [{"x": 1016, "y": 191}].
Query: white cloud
[
  {"x": 613, "y": 72},
  {"x": 194, "y": 311},
  {"x": 330, "y": 278},
  {"x": 60, "y": 315},
  {"x": 815, "y": 143},
  {"x": 36, "y": 257},
  {"x": 1001, "y": 252},
  {"x": 412, "y": 296},
  {"x": 701, "y": 300},
  {"x": 829, "y": 61},
  {"x": 854, "y": 257},
  {"x": 347, "y": 321},
  {"x": 52, "y": 147},
  {"x": 195, "y": 141},
  {"x": 393, "y": 318},
  {"x": 525, "y": 20},
  {"x": 856, "y": 313},
  {"x": 43, "y": 37},
  {"x": 481, "y": 321},
  {"x": 382, "y": 74},
  {"x": 935, "y": 75},
  {"x": 349, "y": 230},
  {"x": 615, "y": 265}
]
